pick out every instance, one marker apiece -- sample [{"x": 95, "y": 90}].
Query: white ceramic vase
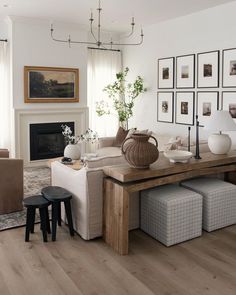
[{"x": 72, "y": 151}]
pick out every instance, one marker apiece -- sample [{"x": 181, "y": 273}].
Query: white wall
[
  {"x": 3, "y": 28},
  {"x": 32, "y": 46},
  {"x": 207, "y": 30}
]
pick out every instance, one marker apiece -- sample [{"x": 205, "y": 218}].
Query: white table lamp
[{"x": 219, "y": 143}]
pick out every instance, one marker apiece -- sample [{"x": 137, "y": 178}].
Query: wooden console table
[{"x": 123, "y": 180}]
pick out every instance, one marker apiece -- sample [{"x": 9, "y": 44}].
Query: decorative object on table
[
  {"x": 96, "y": 35},
  {"x": 184, "y": 108},
  {"x": 229, "y": 68},
  {"x": 47, "y": 84},
  {"x": 165, "y": 107},
  {"x": 178, "y": 156},
  {"x": 197, "y": 154},
  {"x": 139, "y": 152},
  {"x": 189, "y": 136},
  {"x": 72, "y": 150},
  {"x": 208, "y": 69},
  {"x": 220, "y": 121},
  {"x": 121, "y": 98},
  {"x": 67, "y": 161},
  {"x": 229, "y": 103},
  {"x": 207, "y": 103},
  {"x": 166, "y": 70},
  {"x": 185, "y": 71}
]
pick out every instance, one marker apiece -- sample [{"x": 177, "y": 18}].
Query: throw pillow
[{"x": 120, "y": 136}]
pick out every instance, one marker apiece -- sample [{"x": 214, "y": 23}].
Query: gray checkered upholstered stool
[
  {"x": 171, "y": 214},
  {"x": 219, "y": 201}
]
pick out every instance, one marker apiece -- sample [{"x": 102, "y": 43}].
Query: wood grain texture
[
  {"x": 116, "y": 216},
  {"x": 71, "y": 266},
  {"x": 162, "y": 167}
]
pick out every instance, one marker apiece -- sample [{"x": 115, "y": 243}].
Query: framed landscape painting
[
  {"x": 46, "y": 84},
  {"x": 229, "y": 68},
  {"x": 185, "y": 71},
  {"x": 229, "y": 103},
  {"x": 184, "y": 108},
  {"x": 208, "y": 69},
  {"x": 207, "y": 103},
  {"x": 166, "y": 73},
  {"x": 165, "y": 107}
]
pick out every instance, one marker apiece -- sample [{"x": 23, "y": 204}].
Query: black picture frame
[
  {"x": 210, "y": 85},
  {"x": 233, "y": 100},
  {"x": 160, "y": 83},
  {"x": 232, "y": 85},
  {"x": 197, "y": 104},
  {"x": 193, "y": 71},
  {"x": 191, "y": 117},
  {"x": 172, "y": 107}
]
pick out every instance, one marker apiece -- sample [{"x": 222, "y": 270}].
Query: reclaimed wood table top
[{"x": 162, "y": 167}]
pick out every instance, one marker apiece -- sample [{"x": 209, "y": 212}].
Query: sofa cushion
[
  {"x": 108, "y": 151},
  {"x": 120, "y": 136},
  {"x": 105, "y": 161}
]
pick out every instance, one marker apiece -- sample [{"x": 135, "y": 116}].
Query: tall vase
[
  {"x": 72, "y": 151},
  {"x": 139, "y": 152},
  {"x": 124, "y": 124}
]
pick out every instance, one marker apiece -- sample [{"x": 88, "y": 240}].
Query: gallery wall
[{"x": 212, "y": 29}]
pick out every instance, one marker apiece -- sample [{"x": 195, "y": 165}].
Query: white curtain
[
  {"x": 5, "y": 103},
  {"x": 102, "y": 68}
]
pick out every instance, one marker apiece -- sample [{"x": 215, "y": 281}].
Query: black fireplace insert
[{"x": 47, "y": 141}]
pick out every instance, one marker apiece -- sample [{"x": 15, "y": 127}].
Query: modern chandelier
[{"x": 97, "y": 37}]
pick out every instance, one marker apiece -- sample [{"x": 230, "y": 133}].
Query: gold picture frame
[{"x": 51, "y": 84}]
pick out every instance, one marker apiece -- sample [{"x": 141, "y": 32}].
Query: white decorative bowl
[{"x": 178, "y": 156}]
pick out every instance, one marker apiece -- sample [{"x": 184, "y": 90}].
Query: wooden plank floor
[{"x": 71, "y": 266}]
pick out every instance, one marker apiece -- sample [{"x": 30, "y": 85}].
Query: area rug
[{"x": 34, "y": 180}]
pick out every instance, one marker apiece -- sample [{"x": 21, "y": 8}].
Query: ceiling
[{"x": 116, "y": 14}]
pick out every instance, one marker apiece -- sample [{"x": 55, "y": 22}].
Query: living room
[{"x": 109, "y": 243}]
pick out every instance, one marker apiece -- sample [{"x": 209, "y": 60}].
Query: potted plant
[
  {"x": 72, "y": 149},
  {"x": 121, "y": 97}
]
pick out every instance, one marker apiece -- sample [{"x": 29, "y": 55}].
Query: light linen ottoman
[
  {"x": 219, "y": 201},
  {"x": 171, "y": 214}
]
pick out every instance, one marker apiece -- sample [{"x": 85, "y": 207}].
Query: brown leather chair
[{"x": 11, "y": 183}]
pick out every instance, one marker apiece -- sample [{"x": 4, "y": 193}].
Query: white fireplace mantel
[{"x": 25, "y": 117}]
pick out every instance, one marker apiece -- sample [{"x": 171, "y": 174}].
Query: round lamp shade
[{"x": 221, "y": 121}]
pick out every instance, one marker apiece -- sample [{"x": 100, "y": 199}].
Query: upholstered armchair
[{"x": 11, "y": 183}]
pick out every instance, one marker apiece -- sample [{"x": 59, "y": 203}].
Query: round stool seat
[
  {"x": 56, "y": 194},
  {"x": 37, "y": 201},
  {"x": 32, "y": 203}
]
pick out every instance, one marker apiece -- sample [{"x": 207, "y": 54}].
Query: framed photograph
[
  {"x": 166, "y": 73},
  {"x": 207, "y": 103},
  {"x": 229, "y": 103},
  {"x": 208, "y": 69},
  {"x": 165, "y": 107},
  {"x": 185, "y": 71},
  {"x": 45, "y": 84},
  {"x": 229, "y": 68},
  {"x": 184, "y": 108}
]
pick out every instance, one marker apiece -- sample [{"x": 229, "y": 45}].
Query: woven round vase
[{"x": 139, "y": 152}]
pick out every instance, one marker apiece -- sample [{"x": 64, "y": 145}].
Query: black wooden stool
[
  {"x": 56, "y": 195},
  {"x": 32, "y": 203}
]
